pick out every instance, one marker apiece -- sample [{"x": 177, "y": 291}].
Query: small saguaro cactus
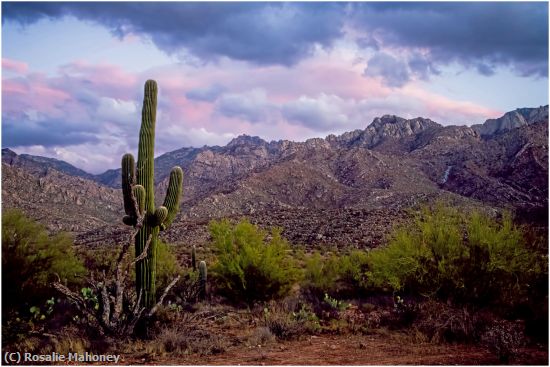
[
  {"x": 194, "y": 258},
  {"x": 202, "y": 280},
  {"x": 139, "y": 199}
]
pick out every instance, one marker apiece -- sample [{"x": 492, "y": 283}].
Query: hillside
[{"x": 340, "y": 190}]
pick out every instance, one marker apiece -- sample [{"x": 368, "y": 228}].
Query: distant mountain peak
[
  {"x": 246, "y": 140},
  {"x": 42, "y": 165},
  {"x": 8, "y": 156},
  {"x": 511, "y": 120},
  {"x": 391, "y": 121},
  {"x": 394, "y": 127},
  {"x": 387, "y": 119}
]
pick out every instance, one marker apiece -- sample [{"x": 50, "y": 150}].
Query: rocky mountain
[
  {"x": 163, "y": 164},
  {"x": 61, "y": 201},
  {"x": 346, "y": 190},
  {"x": 41, "y": 165},
  {"x": 511, "y": 120}
]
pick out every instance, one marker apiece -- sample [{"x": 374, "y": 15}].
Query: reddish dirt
[{"x": 350, "y": 350}]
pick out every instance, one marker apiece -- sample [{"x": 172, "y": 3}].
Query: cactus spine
[
  {"x": 139, "y": 198},
  {"x": 202, "y": 280},
  {"x": 194, "y": 258}
]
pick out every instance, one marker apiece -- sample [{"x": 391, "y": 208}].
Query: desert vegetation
[{"x": 448, "y": 275}]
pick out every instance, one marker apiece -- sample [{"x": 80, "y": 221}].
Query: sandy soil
[{"x": 349, "y": 350}]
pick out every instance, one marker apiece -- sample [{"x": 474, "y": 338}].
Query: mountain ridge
[
  {"x": 386, "y": 126},
  {"x": 320, "y": 190}
]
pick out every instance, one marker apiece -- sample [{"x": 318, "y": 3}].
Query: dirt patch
[{"x": 390, "y": 349}]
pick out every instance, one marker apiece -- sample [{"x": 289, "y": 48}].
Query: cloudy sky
[{"x": 73, "y": 73}]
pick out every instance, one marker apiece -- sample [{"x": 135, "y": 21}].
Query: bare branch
[
  {"x": 143, "y": 254},
  {"x": 122, "y": 254},
  {"x": 106, "y": 305},
  {"x": 166, "y": 290},
  {"x": 120, "y": 277},
  {"x": 132, "y": 324},
  {"x": 138, "y": 301},
  {"x": 74, "y": 298}
]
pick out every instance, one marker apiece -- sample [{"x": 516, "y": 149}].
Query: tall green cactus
[
  {"x": 202, "y": 280},
  {"x": 139, "y": 198}
]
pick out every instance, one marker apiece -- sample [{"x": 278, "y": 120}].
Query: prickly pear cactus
[{"x": 139, "y": 198}]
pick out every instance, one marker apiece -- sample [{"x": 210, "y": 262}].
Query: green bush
[
  {"x": 342, "y": 276},
  {"x": 167, "y": 266},
  {"x": 251, "y": 265},
  {"x": 32, "y": 259},
  {"x": 468, "y": 258},
  {"x": 321, "y": 274}
]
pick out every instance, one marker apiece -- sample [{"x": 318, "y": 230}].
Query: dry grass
[
  {"x": 261, "y": 336},
  {"x": 288, "y": 319},
  {"x": 443, "y": 323}
]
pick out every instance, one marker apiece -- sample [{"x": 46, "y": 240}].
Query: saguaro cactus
[
  {"x": 139, "y": 198},
  {"x": 202, "y": 280}
]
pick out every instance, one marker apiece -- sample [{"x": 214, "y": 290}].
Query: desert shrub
[
  {"x": 103, "y": 259},
  {"x": 251, "y": 266},
  {"x": 440, "y": 322},
  {"x": 186, "y": 291},
  {"x": 261, "y": 336},
  {"x": 108, "y": 303},
  {"x": 31, "y": 260},
  {"x": 100, "y": 258},
  {"x": 464, "y": 258},
  {"x": 321, "y": 274},
  {"x": 167, "y": 266},
  {"x": 289, "y": 320},
  {"x": 339, "y": 276},
  {"x": 180, "y": 340},
  {"x": 503, "y": 338},
  {"x": 353, "y": 268}
]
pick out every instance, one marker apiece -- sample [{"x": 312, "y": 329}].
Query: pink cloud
[
  {"x": 33, "y": 93},
  {"x": 448, "y": 110},
  {"x": 19, "y": 67},
  {"x": 196, "y": 114},
  {"x": 332, "y": 88},
  {"x": 13, "y": 86},
  {"x": 108, "y": 80}
]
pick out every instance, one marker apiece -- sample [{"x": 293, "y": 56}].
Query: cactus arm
[
  {"x": 160, "y": 215},
  {"x": 133, "y": 195},
  {"x": 128, "y": 180},
  {"x": 139, "y": 194},
  {"x": 173, "y": 195}
]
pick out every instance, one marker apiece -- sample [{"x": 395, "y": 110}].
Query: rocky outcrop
[
  {"x": 512, "y": 120},
  {"x": 60, "y": 201},
  {"x": 394, "y": 127},
  {"x": 41, "y": 165},
  {"x": 387, "y": 127}
]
